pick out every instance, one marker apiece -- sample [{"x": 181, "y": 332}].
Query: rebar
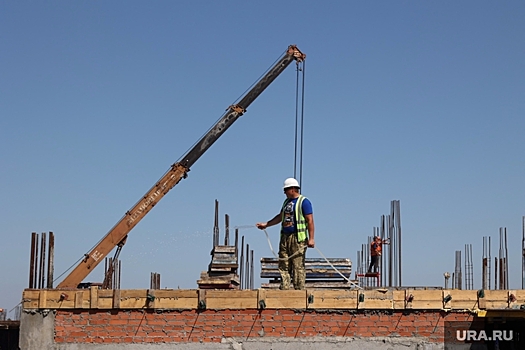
[
  {"x": 50, "y": 260},
  {"x": 469, "y": 269},
  {"x": 227, "y": 229},
  {"x": 523, "y": 253},
  {"x": 241, "y": 267},
  {"x": 485, "y": 264},
  {"x": 216, "y": 225},
  {"x": 32, "y": 260},
  {"x": 457, "y": 271}
]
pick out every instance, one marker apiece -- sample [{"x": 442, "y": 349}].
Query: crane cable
[{"x": 299, "y": 122}]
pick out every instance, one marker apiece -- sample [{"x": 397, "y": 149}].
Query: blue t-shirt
[{"x": 288, "y": 224}]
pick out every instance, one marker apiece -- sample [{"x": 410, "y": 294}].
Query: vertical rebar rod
[
  {"x": 251, "y": 270},
  {"x": 241, "y": 268},
  {"x": 32, "y": 260},
  {"x": 51, "y": 260},
  {"x": 398, "y": 210},
  {"x": 523, "y": 252},
  {"x": 111, "y": 265},
  {"x": 496, "y": 285},
  {"x": 391, "y": 251},
  {"x": 502, "y": 260},
  {"x": 227, "y": 229},
  {"x": 489, "y": 261},
  {"x": 469, "y": 279},
  {"x": 42, "y": 260},
  {"x": 506, "y": 261},
  {"x": 119, "y": 273},
  {"x": 387, "y": 254},
  {"x": 457, "y": 270},
  {"x": 484, "y": 265},
  {"x": 216, "y": 225},
  {"x": 247, "y": 279},
  {"x": 236, "y": 248}
]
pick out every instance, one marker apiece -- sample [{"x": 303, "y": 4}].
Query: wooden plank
[
  {"x": 231, "y": 299},
  {"x": 105, "y": 293},
  {"x": 425, "y": 299},
  {"x": 133, "y": 293},
  {"x": 261, "y": 299},
  {"x": 42, "y": 299},
  {"x": 333, "y": 299},
  {"x": 461, "y": 299},
  {"x": 516, "y": 298},
  {"x": 224, "y": 249},
  {"x": 313, "y": 285},
  {"x": 398, "y": 299},
  {"x": 30, "y": 298},
  {"x": 494, "y": 299},
  {"x": 133, "y": 298},
  {"x": 179, "y": 299},
  {"x": 116, "y": 299},
  {"x": 177, "y": 293},
  {"x": 377, "y": 299},
  {"x": 79, "y": 299},
  {"x": 285, "y": 299},
  {"x": 93, "y": 297}
]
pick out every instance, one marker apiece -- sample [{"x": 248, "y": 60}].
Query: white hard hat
[{"x": 290, "y": 182}]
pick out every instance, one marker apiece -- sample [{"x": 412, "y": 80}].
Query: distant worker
[
  {"x": 376, "y": 246},
  {"x": 296, "y": 218}
]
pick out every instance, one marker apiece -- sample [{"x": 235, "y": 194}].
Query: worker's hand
[
  {"x": 311, "y": 243},
  {"x": 261, "y": 225}
]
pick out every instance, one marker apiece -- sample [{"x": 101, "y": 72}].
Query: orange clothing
[{"x": 375, "y": 248}]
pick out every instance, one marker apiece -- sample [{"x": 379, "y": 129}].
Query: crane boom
[{"x": 118, "y": 234}]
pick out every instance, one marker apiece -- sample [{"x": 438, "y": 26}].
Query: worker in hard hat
[
  {"x": 297, "y": 233},
  {"x": 376, "y": 247}
]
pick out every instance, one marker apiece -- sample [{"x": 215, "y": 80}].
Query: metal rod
[
  {"x": 51, "y": 260},
  {"x": 32, "y": 260},
  {"x": 42, "y": 260},
  {"x": 247, "y": 272},
  {"x": 236, "y": 246},
  {"x": 227, "y": 229},
  {"x": 398, "y": 207},
  {"x": 241, "y": 269},
  {"x": 523, "y": 252},
  {"x": 216, "y": 225},
  {"x": 506, "y": 261},
  {"x": 391, "y": 250},
  {"x": 251, "y": 270}
]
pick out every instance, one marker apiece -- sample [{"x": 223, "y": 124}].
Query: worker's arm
[
  {"x": 262, "y": 225},
  {"x": 311, "y": 229}
]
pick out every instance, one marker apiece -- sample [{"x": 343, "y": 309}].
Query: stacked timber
[
  {"x": 319, "y": 273},
  {"x": 222, "y": 271}
]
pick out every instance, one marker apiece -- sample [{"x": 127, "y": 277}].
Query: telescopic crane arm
[{"x": 118, "y": 234}]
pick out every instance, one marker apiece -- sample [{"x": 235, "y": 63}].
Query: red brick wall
[{"x": 139, "y": 326}]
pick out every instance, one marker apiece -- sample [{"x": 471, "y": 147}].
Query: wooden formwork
[{"x": 393, "y": 299}]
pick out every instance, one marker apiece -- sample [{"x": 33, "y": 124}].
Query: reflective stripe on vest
[{"x": 300, "y": 222}]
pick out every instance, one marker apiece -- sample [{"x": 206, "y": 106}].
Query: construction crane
[{"x": 117, "y": 236}]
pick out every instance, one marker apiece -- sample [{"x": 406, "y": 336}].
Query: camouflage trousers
[{"x": 291, "y": 261}]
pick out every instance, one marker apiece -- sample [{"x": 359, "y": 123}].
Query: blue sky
[{"x": 420, "y": 102}]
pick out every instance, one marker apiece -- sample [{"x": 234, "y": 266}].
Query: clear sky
[{"x": 417, "y": 101}]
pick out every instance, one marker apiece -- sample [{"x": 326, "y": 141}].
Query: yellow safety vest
[{"x": 300, "y": 222}]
